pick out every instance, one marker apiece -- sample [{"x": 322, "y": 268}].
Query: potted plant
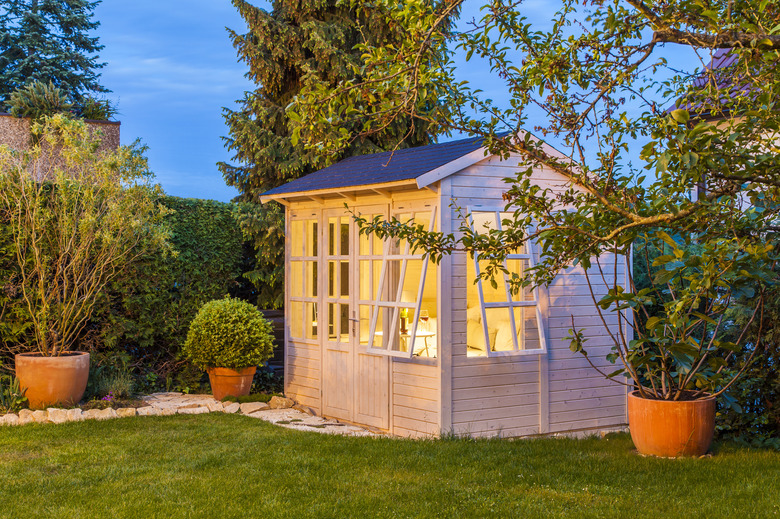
[
  {"x": 675, "y": 355},
  {"x": 76, "y": 217},
  {"x": 228, "y": 338}
]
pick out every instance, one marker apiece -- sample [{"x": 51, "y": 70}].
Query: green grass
[{"x": 226, "y": 466}]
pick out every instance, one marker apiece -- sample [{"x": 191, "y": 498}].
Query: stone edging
[{"x": 280, "y": 411}]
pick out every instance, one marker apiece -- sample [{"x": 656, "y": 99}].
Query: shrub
[
  {"x": 96, "y": 109},
  {"x": 38, "y": 99},
  {"x": 150, "y": 309},
  {"x": 110, "y": 373},
  {"x": 12, "y": 397},
  {"x": 752, "y": 413},
  {"x": 77, "y": 218},
  {"x": 228, "y": 333}
]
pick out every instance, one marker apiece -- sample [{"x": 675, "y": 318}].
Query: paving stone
[
  {"x": 253, "y": 407},
  {"x": 166, "y": 395},
  {"x": 10, "y": 419},
  {"x": 280, "y": 402},
  {"x": 90, "y": 414},
  {"x": 315, "y": 420},
  {"x": 105, "y": 414},
  {"x": 75, "y": 415},
  {"x": 231, "y": 408},
  {"x": 41, "y": 416},
  {"x": 57, "y": 415},
  {"x": 25, "y": 417},
  {"x": 287, "y": 414},
  {"x": 215, "y": 407},
  {"x": 147, "y": 411},
  {"x": 193, "y": 410},
  {"x": 304, "y": 409},
  {"x": 125, "y": 412}
]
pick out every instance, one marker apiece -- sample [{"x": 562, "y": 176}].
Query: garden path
[
  {"x": 289, "y": 417},
  {"x": 279, "y": 411}
]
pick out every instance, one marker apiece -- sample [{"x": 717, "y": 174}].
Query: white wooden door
[
  {"x": 337, "y": 336},
  {"x": 355, "y": 383},
  {"x": 372, "y": 372}
]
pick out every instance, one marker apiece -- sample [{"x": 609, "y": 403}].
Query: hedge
[{"x": 151, "y": 306}]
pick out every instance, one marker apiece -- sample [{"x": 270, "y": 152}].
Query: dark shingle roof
[
  {"x": 381, "y": 168},
  {"x": 722, "y": 70}
]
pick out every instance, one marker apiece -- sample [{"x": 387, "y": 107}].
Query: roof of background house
[
  {"x": 381, "y": 168},
  {"x": 722, "y": 69}
]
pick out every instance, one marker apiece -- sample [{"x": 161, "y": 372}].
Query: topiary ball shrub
[{"x": 228, "y": 333}]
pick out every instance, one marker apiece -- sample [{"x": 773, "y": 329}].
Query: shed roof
[{"x": 382, "y": 168}]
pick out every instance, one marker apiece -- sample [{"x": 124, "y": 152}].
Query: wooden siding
[
  {"x": 537, "y": 393},
  {"x": 415, "y": 398},
  {"x": 302, "y": 374}
]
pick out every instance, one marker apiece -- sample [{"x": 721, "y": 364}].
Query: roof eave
[{"x": 318, "y": 194}]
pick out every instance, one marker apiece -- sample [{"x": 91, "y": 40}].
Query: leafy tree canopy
[
  {"x": 48, "y": 41},
  {"x": 598, "y": 85}
]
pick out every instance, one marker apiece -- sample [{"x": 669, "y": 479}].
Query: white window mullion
[
  {"x": 391, "y": 329},
  {"x": 518, "y": 336}
]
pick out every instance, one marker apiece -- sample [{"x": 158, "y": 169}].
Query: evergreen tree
[
  {"x": 48, "y": 41},
  {"x": 297, "y": 41}
]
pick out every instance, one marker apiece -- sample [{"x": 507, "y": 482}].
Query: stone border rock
[{"x": 280, "y": 411}]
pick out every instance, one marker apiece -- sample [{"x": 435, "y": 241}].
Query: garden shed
[{"x": 379, "y": 336}]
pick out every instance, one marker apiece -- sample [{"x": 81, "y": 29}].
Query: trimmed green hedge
[{"x": 151, "y": 306}]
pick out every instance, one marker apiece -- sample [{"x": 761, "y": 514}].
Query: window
[
  {"x": 304, "y": 243},
  {"x": 499, "y": 322},
  {"x": 404, "y": 309}
]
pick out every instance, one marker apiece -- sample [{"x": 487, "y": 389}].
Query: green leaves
[
  {"x": 152, "y": 304},
  {"x": 77, "y": 217},
  {"x": 228, "y": 333},
  {"x": 49, "y": 42},
  {"x": 680, "y": 115},
  {"x": 702, "y": 200}
]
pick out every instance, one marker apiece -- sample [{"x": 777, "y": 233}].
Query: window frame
[
  {"x": 510, "y": 303},
  {"x": 307, "y": 281},
  {"x": 378, "y": 304}
]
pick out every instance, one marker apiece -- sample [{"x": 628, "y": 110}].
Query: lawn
[{"x": 226, "y": 466}]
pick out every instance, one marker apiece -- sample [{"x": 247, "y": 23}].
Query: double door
[{"x": 355, "y": 384}]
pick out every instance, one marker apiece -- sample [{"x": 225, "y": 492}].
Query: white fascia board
[
  {"x": 451, "y": 168},
  {"x": 283, "y": 198}
]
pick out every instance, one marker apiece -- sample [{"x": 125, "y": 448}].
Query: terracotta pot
[
  {"x": 671, "y": 429},
  {"x": 231, "y": 382},
  {"x": 53, "y": 380}
]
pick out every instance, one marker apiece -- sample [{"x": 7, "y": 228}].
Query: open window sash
[
  {"x": 511, "y": 302},
  {"x": 388, "y": 337}
]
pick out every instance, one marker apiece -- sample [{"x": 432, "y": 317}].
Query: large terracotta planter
[
  {"x": 671, "y": 429},
  {"x": 52, "y": 380},
  {"x": 231, "y": 382}
]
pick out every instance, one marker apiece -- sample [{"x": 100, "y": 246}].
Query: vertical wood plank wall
[{"x": 503, "y": 396}]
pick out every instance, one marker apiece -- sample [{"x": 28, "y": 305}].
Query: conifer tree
[
  {"x": 49, "y": 41},
  {"x": 297, "y": 41}
]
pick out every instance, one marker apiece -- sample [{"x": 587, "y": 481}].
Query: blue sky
[{"x": 171, "y": 67}]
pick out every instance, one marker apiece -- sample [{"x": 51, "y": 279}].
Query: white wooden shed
[{"x": 379, "y": 336}]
